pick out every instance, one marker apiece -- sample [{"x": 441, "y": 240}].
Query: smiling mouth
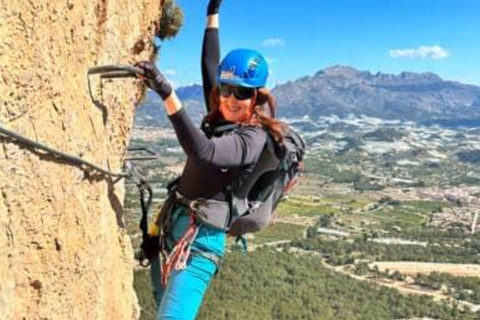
[{"x": 234, "y": 109}]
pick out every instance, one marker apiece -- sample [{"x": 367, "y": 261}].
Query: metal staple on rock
[
  {"x": 73, "y": 159},
  {"x": 146, "y": 192},
  {"x": 108, "y": 71},
  {"x": 112, "y": 71}
]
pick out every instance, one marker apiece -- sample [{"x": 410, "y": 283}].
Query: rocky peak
[
  {"x": 339, "y": 71},
  {"x": 426, "y": 77}
]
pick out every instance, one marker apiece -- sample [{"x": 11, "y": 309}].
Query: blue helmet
[{"x": 243, "y": 67}]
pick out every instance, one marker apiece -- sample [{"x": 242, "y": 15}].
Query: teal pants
[{"x": 182, "y": 298}]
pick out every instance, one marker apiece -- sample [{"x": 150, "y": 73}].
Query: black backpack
[{"x": 255, "y": 196}]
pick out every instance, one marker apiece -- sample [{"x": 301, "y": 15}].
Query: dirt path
[
  {"x": 412, "y": 268},
  {"x": 252, "y": 248},
  {"x": 406, "y": 288},
  {"x": 297, "y": 220}
]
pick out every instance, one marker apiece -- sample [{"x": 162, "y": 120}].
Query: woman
[{"x": 194, "y": 229}]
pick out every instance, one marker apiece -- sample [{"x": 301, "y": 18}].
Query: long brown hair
[{"x": 263, "y": 113}]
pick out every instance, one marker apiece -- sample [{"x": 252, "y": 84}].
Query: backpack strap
[{"x": 252, "y": 193}]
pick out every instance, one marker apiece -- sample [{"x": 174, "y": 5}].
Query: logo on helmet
[
  {"x": 252, "y": 67},
  {"x": 228, "y": 74}
]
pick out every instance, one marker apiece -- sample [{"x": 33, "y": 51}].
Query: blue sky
[{"x": 302, "y": 37}]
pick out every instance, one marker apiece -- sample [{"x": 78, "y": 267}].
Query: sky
[{"x": 302, "y": 37}]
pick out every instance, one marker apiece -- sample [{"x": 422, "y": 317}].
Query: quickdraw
[{"x": 178, "y": 257}]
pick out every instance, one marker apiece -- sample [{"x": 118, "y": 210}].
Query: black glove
[
  {"x": 213, "y": 7},
  {"x": 155, "y": 80}
]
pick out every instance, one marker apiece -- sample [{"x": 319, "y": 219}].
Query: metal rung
[
  {"x": 117, "y": 74},
  {"x": 113, "y": 68},
  {"x": 145, "y": 158},
  {"x": 153, "y": 154}
]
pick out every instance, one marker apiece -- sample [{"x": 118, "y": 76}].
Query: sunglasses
[{"x": 240, "y": 93}]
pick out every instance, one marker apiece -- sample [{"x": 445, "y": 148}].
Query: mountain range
[
  {"x": 151, "y": 113},
  {"x": 343, "y": 90}
]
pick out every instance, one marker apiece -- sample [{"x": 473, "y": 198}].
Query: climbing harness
[
  {"x": 175, "y": 258},
  {"x": 175, "y": 254}
]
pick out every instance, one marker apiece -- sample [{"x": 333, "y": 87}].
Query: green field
[
  {"x": 278, "y": 232},
  {"x": 303, "y": 208}
]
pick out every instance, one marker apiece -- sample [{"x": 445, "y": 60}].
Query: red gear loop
[{"x": 178, "y": 257}]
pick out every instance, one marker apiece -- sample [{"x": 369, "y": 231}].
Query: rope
[{"x": 72, "y": 159}]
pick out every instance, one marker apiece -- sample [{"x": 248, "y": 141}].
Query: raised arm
[{"x": 210, "y": 50}]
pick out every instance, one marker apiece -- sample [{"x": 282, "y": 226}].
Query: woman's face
[{"x": 234, "y": 109}]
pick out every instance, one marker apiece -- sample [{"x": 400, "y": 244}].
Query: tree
[{"x": 326, "y": 221}]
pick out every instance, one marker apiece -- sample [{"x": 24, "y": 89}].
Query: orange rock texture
[{"x": 64, "y": 251}]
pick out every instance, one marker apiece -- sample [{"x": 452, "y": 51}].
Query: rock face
[{"x": 64, "y": 251}]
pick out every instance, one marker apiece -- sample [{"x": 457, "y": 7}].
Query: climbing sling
[{"x": 177, "y": 258}]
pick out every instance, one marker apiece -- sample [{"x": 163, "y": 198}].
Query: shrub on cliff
[{"x": 171, "y": 20}]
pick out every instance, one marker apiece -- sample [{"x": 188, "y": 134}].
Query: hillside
[
  {"x": 151, "y": 112},
  {"x": 341, "y": 90}
]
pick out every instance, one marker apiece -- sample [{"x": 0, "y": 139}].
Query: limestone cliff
[{"x": 64, "y": 252}]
